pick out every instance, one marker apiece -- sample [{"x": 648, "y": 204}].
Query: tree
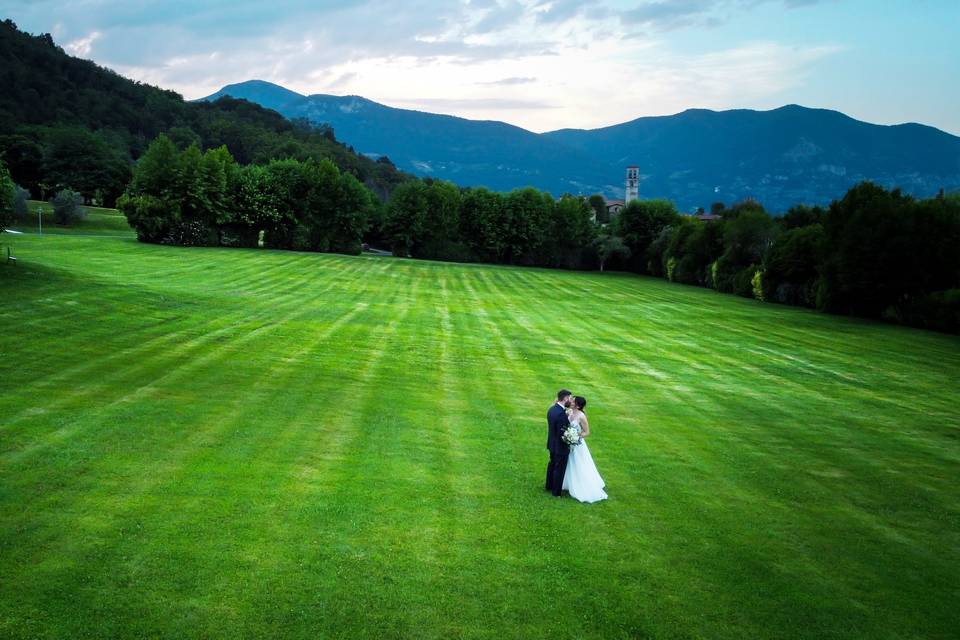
[
  {"x": 24, "y": 157},
  {"x": 255, "y": 209},
  {"x": 791, "y": 268},
  {"x": 639, "y": 223},
  {"x": 352, "y": 217},
  {"x": 657, "y": 252},
  {"x": 482, "y": 223},
  {"x": 218, "y": 176},
  {"x": 610, "y": 246},
  {"x": 693, "y": 246},
  {"x": 183, "y": 137},
  {"x": 67, "y": 207},
  {"x": 288, "y": 186},
  {"x": 406, "y": 214},
  {"x": 748, "y": 231},
  {"x": 570, "y": 233},
  {"x": 866, "y": 253},
  {"x": 599, "y": 205},
  {"x": 200, "y": 187},
  {"x": 526, "y": 215},
  {"x": 151, "y": 202},
  {"x": 439, "y": 240},
  {"x": 190, "y": 189},
  {"x": 747, "y": 204},
  {"x": 678, "y": 269},
  {"x": 85, "y": 162},
  {"x": 157, "y": 171},
  {"x": 801, "y": 216},
  {"x": 6, "y": 196},
  {"x": 884, "y": 249}
]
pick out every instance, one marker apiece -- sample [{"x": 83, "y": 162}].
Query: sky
[{"x": 538, "y": 64}]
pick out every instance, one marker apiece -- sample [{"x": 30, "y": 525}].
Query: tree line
[
  {"x": 206, "y": 198},
  {"x": 874, "y": 253},
  {"x": 189, "y": 197}
]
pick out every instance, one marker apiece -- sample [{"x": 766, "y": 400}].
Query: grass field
[
  {"x": 98, "y": 222},
  {"x": 241, "y": 443}
]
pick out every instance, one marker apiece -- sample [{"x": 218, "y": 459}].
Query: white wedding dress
[{"x": 581, "y": 478}]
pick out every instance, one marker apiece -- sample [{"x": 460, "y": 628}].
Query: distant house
[
  {"x": 613, "y": 208},
  {"x": 703, "y": 216}
]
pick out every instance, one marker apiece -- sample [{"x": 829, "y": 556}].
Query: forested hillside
[{"x": 69, "y": 123}]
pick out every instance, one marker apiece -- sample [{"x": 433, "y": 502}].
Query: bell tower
[{"x": 633, "y": 184}]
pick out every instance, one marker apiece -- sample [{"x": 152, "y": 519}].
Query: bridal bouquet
[{"x": 571, "y": 435}]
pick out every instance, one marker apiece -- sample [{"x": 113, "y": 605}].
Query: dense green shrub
[
  {"x": 743, "y": 281},
  {"x": 671, "y": 268},
  {"x": 68, "y": 207},
  {"x": 21, "y": 210},
  {"x": 151, "y": 217},
  {"x": 192, "y": 233},
  {"x": 757, "y": 285}
]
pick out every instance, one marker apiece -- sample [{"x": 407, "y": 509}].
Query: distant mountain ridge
[
  {"x": 781, "y": 157},
  {"x": 468, "y": 152}
]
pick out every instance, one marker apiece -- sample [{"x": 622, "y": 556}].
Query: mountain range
[{"x": 780, "y": 157}]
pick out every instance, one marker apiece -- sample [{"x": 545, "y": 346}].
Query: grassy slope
[
  {"x": 203, "y": 442},
  {"x": 97, "y": 222}
]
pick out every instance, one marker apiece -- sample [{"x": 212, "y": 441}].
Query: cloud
[
  {"x": 668, "y": 15},
  {"x": 671, "y": 14},
  {"x": 81, "y": 47},
  {"x": 474, "y": 104},
  {"x": 540, "y": 64},
  {"x": 506, "y": 82},
  {"x": 561, "y": 10}
]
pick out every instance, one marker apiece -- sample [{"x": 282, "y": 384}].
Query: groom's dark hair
[{"x": 563, "y": 393}]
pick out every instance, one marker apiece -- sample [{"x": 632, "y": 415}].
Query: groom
[{"x": 559, "y": 450}]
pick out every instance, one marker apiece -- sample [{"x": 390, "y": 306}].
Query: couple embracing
[{"x": 571, "y": 466}]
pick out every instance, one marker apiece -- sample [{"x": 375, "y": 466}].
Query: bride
[{"x": 581, "y": 478}]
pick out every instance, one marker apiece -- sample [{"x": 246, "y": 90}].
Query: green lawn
[
  {"x": 98, "y": 222},
  {"x": 246, "y": 443}
]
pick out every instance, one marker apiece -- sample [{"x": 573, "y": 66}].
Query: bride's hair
[{"x": 580, "y": 401}]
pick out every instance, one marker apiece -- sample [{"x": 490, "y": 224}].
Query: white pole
[{"x": 40, "y": 218}]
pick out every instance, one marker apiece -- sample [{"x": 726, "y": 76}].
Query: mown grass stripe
[{"x": 772, "y": 472}]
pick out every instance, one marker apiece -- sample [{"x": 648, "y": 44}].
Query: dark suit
[{"x": 559, "y": 450}]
